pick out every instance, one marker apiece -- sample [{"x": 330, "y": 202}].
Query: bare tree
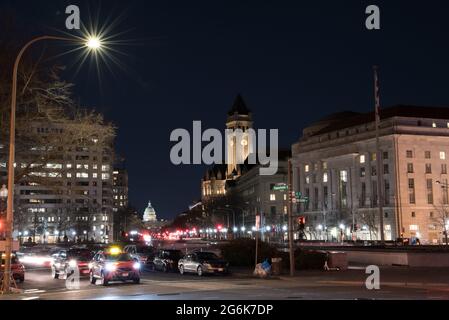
[
  {"x": 441, "y": 219},
  {"x": 369, "y": 219}
]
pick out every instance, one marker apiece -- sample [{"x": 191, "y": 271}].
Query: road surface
[{"x": 396, "y": 283}]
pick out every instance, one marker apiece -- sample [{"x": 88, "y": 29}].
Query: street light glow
[{"x": 93, "y": 43}]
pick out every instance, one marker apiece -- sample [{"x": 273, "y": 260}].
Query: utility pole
[
  {"x": 379, "y": 155},
  {"x": 290, "y": 219}
]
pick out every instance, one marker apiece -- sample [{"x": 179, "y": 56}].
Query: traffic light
[{"x": 302, "y": 223}]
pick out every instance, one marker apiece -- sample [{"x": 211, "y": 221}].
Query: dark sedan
[{"x": 167, "y": 260}]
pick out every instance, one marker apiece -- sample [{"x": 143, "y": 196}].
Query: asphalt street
[{"x": 396, "y": 283}]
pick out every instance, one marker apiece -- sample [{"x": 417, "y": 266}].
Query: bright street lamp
[{"x": 94, "y": 44}]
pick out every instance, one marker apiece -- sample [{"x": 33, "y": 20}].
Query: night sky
[{"x": 293, "y": 61}]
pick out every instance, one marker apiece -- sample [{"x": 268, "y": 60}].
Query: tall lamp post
[{"x": 92, "y": 43}]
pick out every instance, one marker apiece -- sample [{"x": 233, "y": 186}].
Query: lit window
[
  {"x": 324, "y": 165},
  {"x": 362, "y": 159},
  {"x": 105, "y": 168},
  {"x": 307, "y": 168},
  {"x": 95, "y": 175},
  {"x": 344, "y": 176},
  {"x": 272, "y": 197},
  {"x": 434, "y": 125},
  {"x": 373, "y": 156},
  {"x": 105, "y": 176},
  {"x": 69, "y": 175},
  {"x": 285, "y": 197},
  {"x": 82, "y": 175},
  {"x": 307, "y": 180},
  {"x": 325, "y": 177},
  {"x": 69, "y": 166},
  {"x": 442, "y": 155},
  {"x": 95, "y": 167},
  {"x": 414, "y": 227}
]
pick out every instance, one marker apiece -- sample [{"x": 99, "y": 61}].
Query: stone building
[{"x": 335, "y": 167}]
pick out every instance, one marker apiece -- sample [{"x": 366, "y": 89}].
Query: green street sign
[{"x": 280, "y": 187}]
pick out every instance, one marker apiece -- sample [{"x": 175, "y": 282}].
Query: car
[
  {"x": 203, "y": 263},
  {"x": 167, "y": 260},
  {"x": 144, "y": 254},
  {"x": 112, "y": 266},
  {"x": 37, "y": 257},
  {"x": 65, "y": 261},
  {"x": 17, "y": 268}
]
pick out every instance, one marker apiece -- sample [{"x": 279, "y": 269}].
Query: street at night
[
  {"x": 257, "y": 156},
  {"x": 397, "y": 284}
]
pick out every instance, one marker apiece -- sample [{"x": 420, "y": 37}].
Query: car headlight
[
  {"x": 110, "y": 267},
  {"x": 136, "y": 266},
  {"x": 73, "y": 264}
]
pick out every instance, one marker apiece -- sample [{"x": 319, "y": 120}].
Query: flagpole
[{"x": 379, "y": 155}]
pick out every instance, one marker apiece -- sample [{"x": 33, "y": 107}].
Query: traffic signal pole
[{"x": 290, "y": 219}]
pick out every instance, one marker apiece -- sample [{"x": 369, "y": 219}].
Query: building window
[
  {"x": 307, "y": 168},
  {"x": 307, "y": 196},
  {"x": 445, "y": 193},
  {"x": 444, "y": 168},
  {"x": 324, "y": 165},
  {"x": 375, "y": 199},
  {"x": 428, "y": 168},
  {"x": 411, "y": 191},
  {"x": 373, "y": 156},
  {"x": 343, "y": 188},
  {"x": 387, "y": 192},
  {"x": 325, "y": 177},
  {"x": 414, "y": 227},
  {"x": 373, "y": 171},
  {"x": 410, "y": 168},
  {"x": 434, "y": 125},
  {"x": 315, "y": 199},
  {"x": 363, "y": 196},
  {"x": 362, "y": 172},
  {"x": 362, "y": 159},
  {"x": 409, "y": 154},
  {"x": 413, "y": 214},
  {"x": 385, "y": 155},
  {"x": 442, "y": 155},
  {"x": 386, "y": 169},
  {"x": 307, "y": 180},
  {"x": 272, "y": 197},
  {"x": 429, "y": 191},
  {"x": 325, "y": 196},
  {"x": 431, "y": 215},
  {"x": 315, "y": 167},
  {"x": 427, "y": 155}
]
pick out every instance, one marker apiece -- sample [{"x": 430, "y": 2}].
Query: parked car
[
  {"x": 114, "y": 266},
  {"x": 167, "y": 260},
  {"x": 17, "y": 268},
  {"x": 65, "y": 261},
  {"x": 203, "y": 263},
  {"x": 144, "y": 254}
]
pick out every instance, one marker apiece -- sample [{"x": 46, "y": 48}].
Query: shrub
[{"x": 242, "y": 252}]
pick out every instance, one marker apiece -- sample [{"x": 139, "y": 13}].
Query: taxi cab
[{"x": 114, "y": 265}]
